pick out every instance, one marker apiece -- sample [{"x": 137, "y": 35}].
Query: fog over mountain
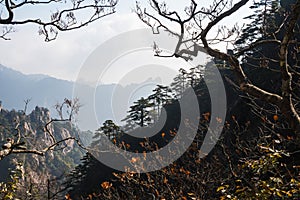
[{"x": 107, "y": 101}]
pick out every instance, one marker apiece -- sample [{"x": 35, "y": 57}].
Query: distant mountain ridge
[
  {"x": 46, "y": 91},
  {"x": 15, "y": 87}
]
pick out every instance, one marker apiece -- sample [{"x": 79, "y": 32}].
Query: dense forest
[{"x": 255, "y": 156}]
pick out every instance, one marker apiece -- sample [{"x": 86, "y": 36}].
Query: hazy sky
[{"x": 27, "y": 52}]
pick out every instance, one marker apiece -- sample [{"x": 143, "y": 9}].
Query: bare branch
[
  {"x": 10, "y": 14},
  {"x": 64, "y": 20},
  {"x": 5, "y": 31},
  {"x": 32, "y": 3},
  {"x": 229, "y": 12}
]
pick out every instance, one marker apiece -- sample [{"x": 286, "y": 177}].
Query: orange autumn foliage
[{"x": 106, "y": 185}]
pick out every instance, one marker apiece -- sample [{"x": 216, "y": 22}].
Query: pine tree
[
  {"x": 109, "y": 129},
  {"x": 161, "y": 95},
  {"x": 262, "y": 21},
  {"x": 139, "y": 114},
  {"x": 194, "y": 76},
  {"x": 179, "y": 83}
]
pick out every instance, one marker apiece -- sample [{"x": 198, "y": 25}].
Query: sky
[{"x": 64, "y": 57}]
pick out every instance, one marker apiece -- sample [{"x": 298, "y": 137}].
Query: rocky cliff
[{"x": 38, "y": 169}]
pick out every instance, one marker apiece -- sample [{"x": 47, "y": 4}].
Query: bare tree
[
  {"x": 71, "y": 15},
  {"x": 195, "y": 35}
]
